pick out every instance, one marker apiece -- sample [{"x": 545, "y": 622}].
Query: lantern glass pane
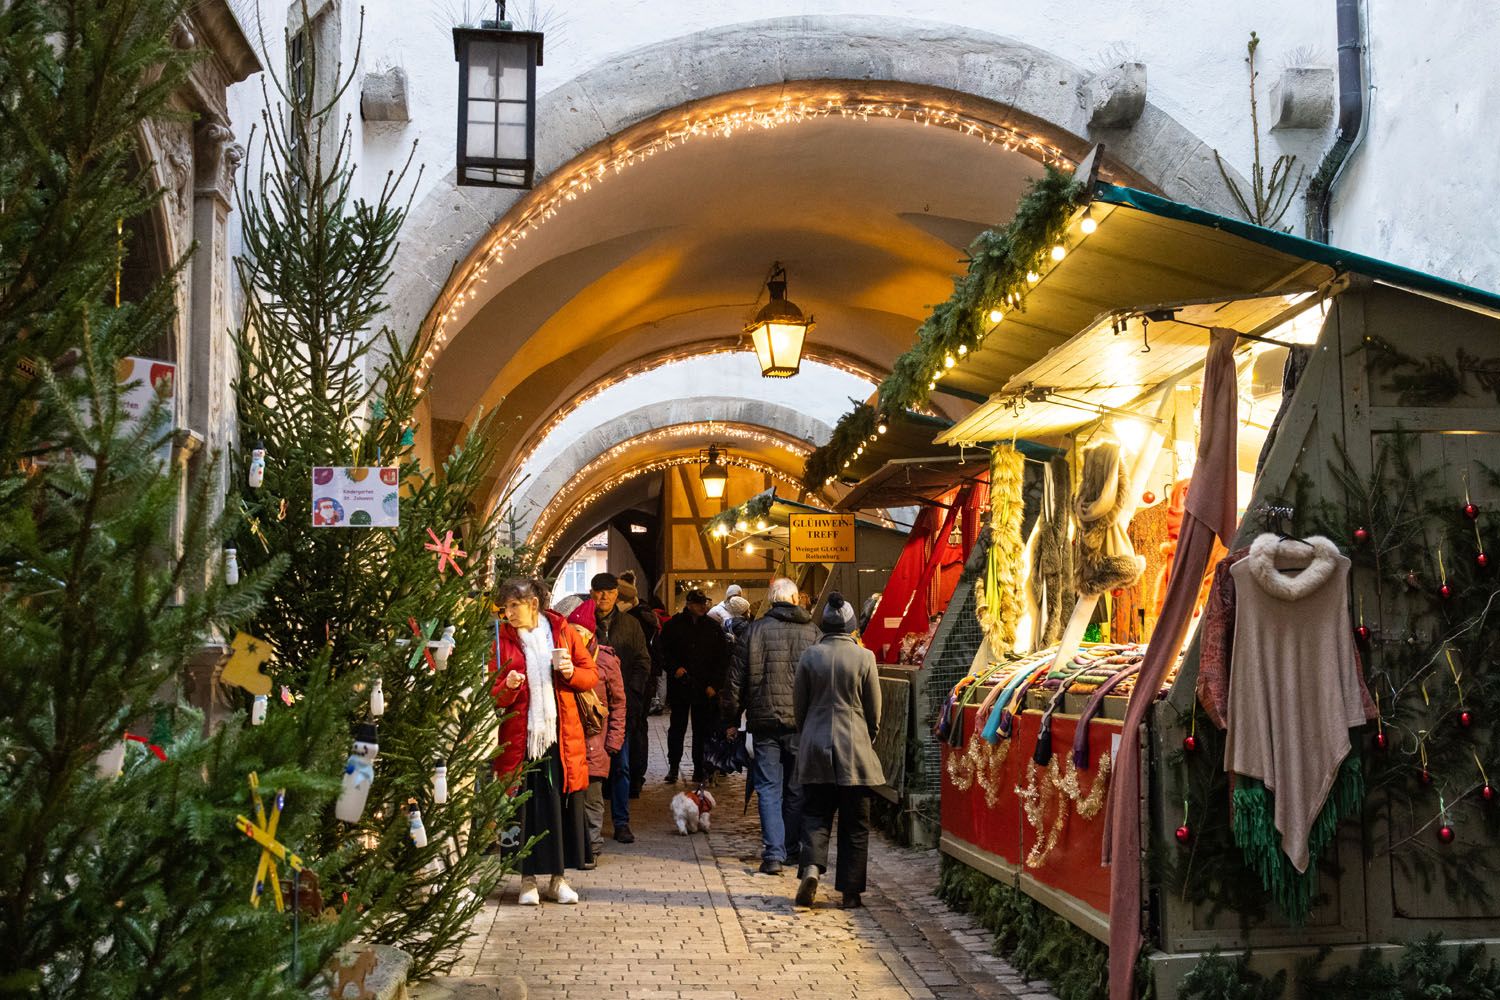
[
  {"x": 761, "y": 341},
  {"x": 713, "y": 484},
  {"x": 498, "y": 85}
]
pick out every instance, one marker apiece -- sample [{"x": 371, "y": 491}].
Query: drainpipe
[{"x": 1353, "y": 116}]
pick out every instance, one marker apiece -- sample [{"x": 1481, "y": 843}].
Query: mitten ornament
[{"x": 359, "y": 774}]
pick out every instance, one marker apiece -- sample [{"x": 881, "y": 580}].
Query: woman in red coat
[{"x": 542, "y": 665}]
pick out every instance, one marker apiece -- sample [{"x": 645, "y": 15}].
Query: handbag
[{"x": 591, "y": 712}]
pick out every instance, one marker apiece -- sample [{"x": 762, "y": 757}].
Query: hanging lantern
[
  {"x": 497, "y": 103},
  {"x": 778, "y": 330},
  {"x": 713, "y": 475}
]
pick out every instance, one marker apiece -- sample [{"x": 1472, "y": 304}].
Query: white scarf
[{"x": 541, "y": 706}]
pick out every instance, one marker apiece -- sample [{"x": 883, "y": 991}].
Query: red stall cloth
[
  {"x": 927, "y": 572},
  {"x": 1211, "y": 511}
]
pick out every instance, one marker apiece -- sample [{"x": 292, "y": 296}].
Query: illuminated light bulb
[
  {"x": 963, "y": 349},
  {"x": 1059, "y": 252},
  {"x": 948, "y": 361},
  {"x": 742, "y": 525},
  {"x": 761, "y": 525},
  {"x": 931, "y": 386},
  {"x": 1032, "y": 277},
  {"x": 1089, "y": 224},
  {"x": 882, "y": 428},
  {"x": 996, "y": 315},
  {"x": 749, "y": 549}
]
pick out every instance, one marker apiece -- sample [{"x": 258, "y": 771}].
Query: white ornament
[
  {"x": 440, "y": 781},
  {"x": 231, "y": 567},
  {"x": 257, "y": 474},
  {"x": 359, "y": 775},
  {"x": 258, "y": 710},
  {"x": 442, "y": 648},
  {"x": 417, "y": 831},
  {"x": 377, "y": 700},
  {"x": 111, "y": 763}
]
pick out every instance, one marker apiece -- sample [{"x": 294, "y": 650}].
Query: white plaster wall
[{"x": 1422, "y": 190}]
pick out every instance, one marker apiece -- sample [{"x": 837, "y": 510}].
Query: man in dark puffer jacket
[{"x": 761, "y": 685}]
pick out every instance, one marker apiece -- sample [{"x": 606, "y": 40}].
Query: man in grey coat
[
  {"x": 837, "y": 697},
  {"x": 761, "y": 677}
]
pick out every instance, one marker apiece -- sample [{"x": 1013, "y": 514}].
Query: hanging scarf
[{"x": 541, "y": 705}]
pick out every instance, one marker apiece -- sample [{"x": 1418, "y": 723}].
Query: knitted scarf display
[
  {"x": 1052, "y": 556},
  {"x": 541, "y": 703}
]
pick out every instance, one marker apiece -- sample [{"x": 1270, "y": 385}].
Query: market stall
[{"x": 1212, "y": 384}]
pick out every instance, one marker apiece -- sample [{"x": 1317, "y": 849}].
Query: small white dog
[{"x": 691, "y": 809}]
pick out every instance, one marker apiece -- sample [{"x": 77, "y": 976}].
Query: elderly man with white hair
[{"x": 761, "y": 685}]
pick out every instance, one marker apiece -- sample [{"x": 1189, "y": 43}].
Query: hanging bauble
[
  {"x": 1184, "y": 834},
  {"x": 1482, "y": 561},
  {"x": 1361, "y": 535},
  {"x": 1445, "y": 592},
  {"x": 1445, "y": 834},
  {"x": 1425, "y": 777},
  {"x": 1148, "y": 498},
  {"x": 1190, "y": 743},
  {"x": 1471, "y": 511},
  {"x": 1362, "y": 633},
  {"x": 1487, "y": 792},
  {"x": 1413, "y": 581},
  {"x": 1465, "y": 718},
  {"x": 1380, "y": 741}
]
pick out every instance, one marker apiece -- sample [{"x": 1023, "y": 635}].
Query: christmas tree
[
  {"x": 327, "y": 401},
  {"x": 121, "y": 871}
]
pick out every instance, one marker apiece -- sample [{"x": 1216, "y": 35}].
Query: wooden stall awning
[
  {"x": 903, "y": 482},
  {"x": 1060, "y": 363},
  {"x": 908, "y": 435}
]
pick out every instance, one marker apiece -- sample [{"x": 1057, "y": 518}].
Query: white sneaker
[
  {"x": 561, "y": 892},
  {"x": 529, "y": 894}
]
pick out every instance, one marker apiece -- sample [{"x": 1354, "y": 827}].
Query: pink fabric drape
[{"x": 1211, "y": 505}]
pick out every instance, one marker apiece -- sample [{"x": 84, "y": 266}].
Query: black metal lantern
[
  {"x": 713, "y": 475},
  {"x": 778, "y": 330},
  {"x": 497, "y": 103}
]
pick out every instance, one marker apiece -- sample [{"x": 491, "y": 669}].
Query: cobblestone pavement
[{"x": 689, "y": 918}]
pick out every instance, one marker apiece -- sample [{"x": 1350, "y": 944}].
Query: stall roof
[
  {"x": 1060, "y": 362},
  {"x": 908, "y": 435},
  {"x": 903, "y": 482}
]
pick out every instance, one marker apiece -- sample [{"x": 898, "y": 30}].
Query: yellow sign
[{"x": 822, "y": 538}]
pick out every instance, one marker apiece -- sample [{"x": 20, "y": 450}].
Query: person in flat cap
[
  {"x": 837, "y": 702},
  {"x": 696, "y": 659}
]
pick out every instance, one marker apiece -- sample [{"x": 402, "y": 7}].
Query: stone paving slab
[{"x": 690, "y": 918}]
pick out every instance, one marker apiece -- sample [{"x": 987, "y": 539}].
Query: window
[{"x": 574, "y": 579}]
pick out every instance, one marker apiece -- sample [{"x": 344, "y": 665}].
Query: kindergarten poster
[{"x": 355, "y": 497}]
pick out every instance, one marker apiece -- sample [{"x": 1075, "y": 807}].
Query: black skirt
[{"x": 554, "y": 816}]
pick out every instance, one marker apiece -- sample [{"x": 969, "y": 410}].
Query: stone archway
[{"x": 987, "y": 74}]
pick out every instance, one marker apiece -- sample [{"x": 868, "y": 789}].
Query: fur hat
[
  {"x": 838, "y": 614},
  {"x": 628, "y": 593},
  {"x": 738, "y": 606}
]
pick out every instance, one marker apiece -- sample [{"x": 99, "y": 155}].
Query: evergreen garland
[
  {"x": 996, "y": 278},
  {"x": 1425, "y": 969}
]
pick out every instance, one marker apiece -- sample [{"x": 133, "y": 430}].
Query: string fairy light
[{"x": 543, "y": 205}]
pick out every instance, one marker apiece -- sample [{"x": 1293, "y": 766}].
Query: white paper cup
[{"x": 559, "y": 657}]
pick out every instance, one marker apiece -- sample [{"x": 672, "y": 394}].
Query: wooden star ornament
[
  {"x": 448, "y": 554},
  {"x": 272, "y": 850}
]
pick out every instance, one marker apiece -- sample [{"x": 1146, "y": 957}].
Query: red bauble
[
  {"x": 1487, "y": 792},
  {"x": 1361, "y": 535},
  {"x": 1184, "y": 834},
  {"x": 1413, "y": 581},
  {"x": 1482, "y": 561},
  {"x": 1190, "y": 743},
  {"x": 1465, "y": 718},
  {"x": 1471, "y": 511},
  {"x": 1445, "y": 592},
  {"x": 1380, "y": 741},
  {"x": 1425, "y": 776},
  {"x": 1445, "y": 834},
  {"x": 1148, "y": 498},
  {"x": 1362, "y": 632}
]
